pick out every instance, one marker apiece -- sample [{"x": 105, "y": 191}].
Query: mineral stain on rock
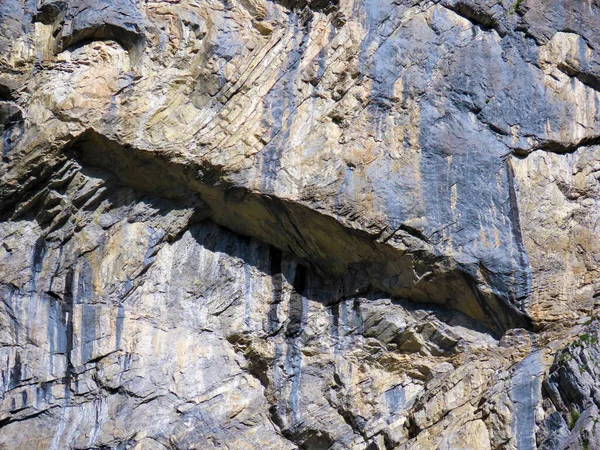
[{"x": 299, "y": 224}]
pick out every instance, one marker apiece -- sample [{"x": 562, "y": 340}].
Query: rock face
[
  {"x": 244, "y": 224},
  {"x": 571, "y": 395}
]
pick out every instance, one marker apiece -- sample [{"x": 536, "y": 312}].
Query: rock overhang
[
  {"x": 411, "y": 155},
  {"x": 403, "y": 264}
]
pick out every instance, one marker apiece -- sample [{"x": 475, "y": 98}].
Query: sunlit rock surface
[{"x": 311, "y": 224}]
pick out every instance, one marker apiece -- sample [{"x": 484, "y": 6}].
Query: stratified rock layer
[{"x": 363, "y": 224}]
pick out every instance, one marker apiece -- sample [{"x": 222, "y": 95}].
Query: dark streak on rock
[
  {"x": 275, "y": 256},
  {"x": 16, "y": 372},
  {"x": 67, "y": 318}
]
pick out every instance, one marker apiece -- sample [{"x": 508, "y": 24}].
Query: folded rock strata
[{"x": 363, "y": 224}]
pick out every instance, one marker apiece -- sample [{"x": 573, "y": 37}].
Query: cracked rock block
[
  {"x": 571, "y": 390},
  {"x": 310, "y": 224}
]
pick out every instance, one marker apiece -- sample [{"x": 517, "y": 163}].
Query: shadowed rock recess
[{"x": 281, "y": 224}]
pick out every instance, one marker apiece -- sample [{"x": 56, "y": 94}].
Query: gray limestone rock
[
  {"x": 573, "y": 391},
  {"x": 310, "y": 224}
]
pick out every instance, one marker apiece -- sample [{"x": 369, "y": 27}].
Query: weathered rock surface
[
  {"x": 364, "y": 224},
  {"x": 571, "y": 395}
]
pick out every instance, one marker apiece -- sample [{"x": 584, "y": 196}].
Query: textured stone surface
[
  {"x": 363, "y": 224},
  {"x": 571, "y": 392}
]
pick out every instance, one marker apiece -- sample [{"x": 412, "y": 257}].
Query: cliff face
[{"x": 244, "y": 224}]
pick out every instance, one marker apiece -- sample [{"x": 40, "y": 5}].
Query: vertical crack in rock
[{"x": 67, "y": 319}]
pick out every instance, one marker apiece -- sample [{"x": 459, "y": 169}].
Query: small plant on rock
[{"x": 573, "y": 418}]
